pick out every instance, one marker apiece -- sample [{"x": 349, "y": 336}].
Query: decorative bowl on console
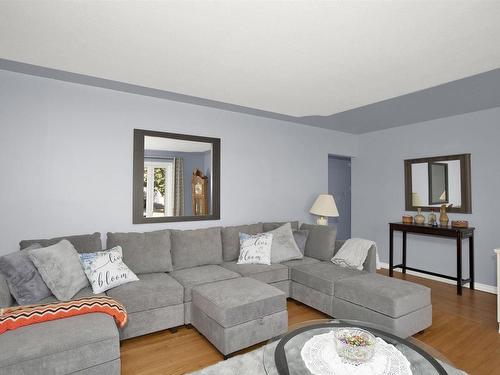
[{"x": 355, "y": 345}]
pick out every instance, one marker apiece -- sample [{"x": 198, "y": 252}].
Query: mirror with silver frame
[
  {"x": 176, "y": 177},
  {"x": 432, "y": 182}
]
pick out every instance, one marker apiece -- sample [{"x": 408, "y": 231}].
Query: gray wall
[
  {"x": 66, "y": 159},
  {"x": 378, "y": 187}
]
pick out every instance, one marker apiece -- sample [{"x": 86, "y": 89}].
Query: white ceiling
[
  {"x": 177, "y": 145},
  {"x": 289, "y": 57}
]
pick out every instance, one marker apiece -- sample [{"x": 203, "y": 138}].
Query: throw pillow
[
  {"x": 106, "y": 270},
  {"x": 284, "y": 247},
  {"x": 353, "y": 253},
  {"x": 60, "y": 268},
  {"x": 24, "y": 281},
  {"x": 255, "y": 249},
  {"x": 300, "y": 237}
]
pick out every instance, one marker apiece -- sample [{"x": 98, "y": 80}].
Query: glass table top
[{"x": 282, "y": 355}]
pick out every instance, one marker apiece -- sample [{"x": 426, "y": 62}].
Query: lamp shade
[{"x": 325, "y": 206}]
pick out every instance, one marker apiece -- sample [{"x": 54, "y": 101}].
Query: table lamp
[{"x": 324, "y": 207}]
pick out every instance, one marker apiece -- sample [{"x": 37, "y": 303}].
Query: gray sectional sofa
[{"x": 191, "y": 277}]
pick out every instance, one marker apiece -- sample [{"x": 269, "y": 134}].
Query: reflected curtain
[{"x": 178, "y": 187}]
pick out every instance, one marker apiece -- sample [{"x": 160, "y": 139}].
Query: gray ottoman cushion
[
  {"x": 320, "y": 241},
  {"x": 191, "y": 277},
  {"x": 383, "y": 294},
  {"x": 322, "y": 276},
  {"x": 83, "y": 243},
  {"x": 236, "y": 301},
  {"x": 231, "y": 239},
  {"x": 147, "y": 252},
  {"x": 61, "y": 346},
  {"x": 153, "y": 290},
  {"x": 196, "y": 247},
  {"x": 262, "y": 272}
]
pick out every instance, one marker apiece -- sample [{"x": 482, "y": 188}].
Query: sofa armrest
[{"x": 370, "y": 264}]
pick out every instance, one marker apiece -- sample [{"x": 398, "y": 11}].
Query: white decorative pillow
[
  {"x": 284, "y": 247},
  {"x": 255, "y": 248},
  {"x": 106, "y": 270}
]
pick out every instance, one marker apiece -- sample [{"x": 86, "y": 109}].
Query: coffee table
[{"x": 282, "y": 355}]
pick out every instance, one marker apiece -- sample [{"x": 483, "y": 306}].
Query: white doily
[{"x": 321, "y": 358}]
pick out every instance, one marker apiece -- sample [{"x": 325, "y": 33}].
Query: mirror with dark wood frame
[
  {"x": 434, "y": 181},
  {"x": 176, "y": 177}
]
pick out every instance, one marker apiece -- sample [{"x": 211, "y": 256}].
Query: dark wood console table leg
[
  {"x": 459, "y": 264},
  {"x": 391, "y": 251},
  {"x": 404, "y": 252},
  {"x": 471, "y": 261}
]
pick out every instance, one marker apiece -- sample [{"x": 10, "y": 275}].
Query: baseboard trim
[{"x": 478, "y": 286}]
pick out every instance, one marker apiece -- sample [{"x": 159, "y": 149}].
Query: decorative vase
[
  {"x": 419, "y": 218},
  {"x": 432, "y": 219},
  {"x": 443, "y": 216}
]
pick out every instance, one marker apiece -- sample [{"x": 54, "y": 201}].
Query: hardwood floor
[{"x": 464, "y": 330}]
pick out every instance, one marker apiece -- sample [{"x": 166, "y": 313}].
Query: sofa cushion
[
  {"x": 262, "y": 272},
  {"x": 297, "y": 262},
  {"x": 231, "y": 239},
  {"x": 383, "y": 294},
  {"x": 277, "y": 224},
  {"x": 190, "y": 277},
  {"x": 60, "y": 268},
  {"x": 84, "y": 243},
  {"x": 147, "y": 252},
  {"x": 85, "y": 292},
  {"x": 244, "y": 299},
  {"x": 196, "y": 247},
  {"x": 61, "y": 346},
  {"x": 153, "y": 290},
  {"x": 322, "y": 276},
  {"x": 23, "y": 279},
  {"x": 320, "y": 241}
]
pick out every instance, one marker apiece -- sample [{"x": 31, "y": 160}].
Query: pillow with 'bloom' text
[{"x": 106, "y": 270}]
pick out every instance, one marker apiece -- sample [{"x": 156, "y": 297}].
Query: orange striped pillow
[{"x": 20, "y": 316}]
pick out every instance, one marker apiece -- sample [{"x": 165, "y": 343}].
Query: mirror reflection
[{"x": 177, "y": 177}]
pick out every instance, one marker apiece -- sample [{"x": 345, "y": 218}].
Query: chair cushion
[
  {"x": 277, "y": 224},
  {"x": 190, "y": 277},
  {"x": 320, "y": 242},
  {"x": 262, "y": 272},
  {"x": 147, "y": 252},
  {"x": 153, "y": 290},
  {"x": 297, "y": 262},
  {"x": 196, "y": 247},
  {"x": 383, "y": 294},
  {"x": 244, "y": 299},
  {"x": 322, "y": 276},
  {"x": 84, "y": 243},
  {"x": 231, "y": 239},
  {"x": 60, "y": 346}
]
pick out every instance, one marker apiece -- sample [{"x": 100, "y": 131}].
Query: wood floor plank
[{"x": 464, "y": 330}]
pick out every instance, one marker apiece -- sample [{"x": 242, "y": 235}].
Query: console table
[{"x": 458, "y": 234}]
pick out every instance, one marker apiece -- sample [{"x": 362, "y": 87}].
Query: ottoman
[
  {"x": 238, "y": 313},
  {"x": 403, "y": 307}
]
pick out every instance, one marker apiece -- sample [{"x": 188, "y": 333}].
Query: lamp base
[{"x": 322, "y": 220}]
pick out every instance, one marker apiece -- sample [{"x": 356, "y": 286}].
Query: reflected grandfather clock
[{"x": 199, "y": 193}]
